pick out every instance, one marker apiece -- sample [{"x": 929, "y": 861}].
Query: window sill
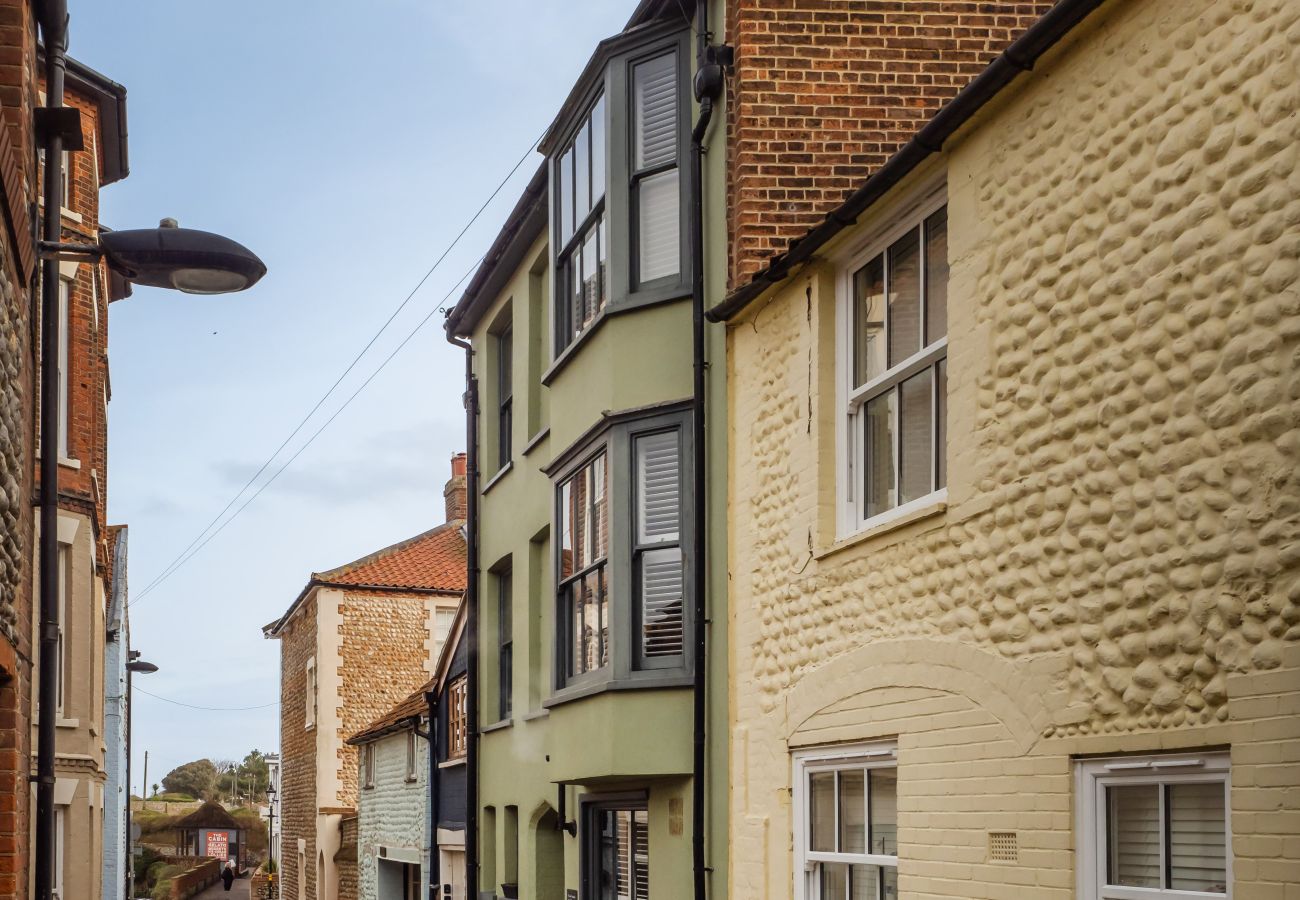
[
  {"x": 69, "y": 463},
  {"x": 536, "y": 714},
  {"x": 935, "y": 504},
  {"x": 71, "y": 215},
  {"x": 574, "y": 346},
  {"x": 452, "y": 763},
  {"x": 311, "y": 727},
  {"x": 66, "y": 723},
  {"x": 644, "y": 683},
  {"x": 501, "y": 473},
  {"x": 536, "y": 440},
  {"x": 497, "y": 726}
]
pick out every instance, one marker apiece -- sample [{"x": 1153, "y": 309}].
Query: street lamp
[
  {"x": 134, "y": 666},
  {"x": 195, "y": 262},
  {"x": 270, "y": 837}
]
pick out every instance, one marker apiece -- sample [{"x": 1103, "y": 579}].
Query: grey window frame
[
  {"x": 611, "y": 78},
  {"x": 615, "y": 437},
  {"x": 591, "y": 805},
  {"x": 505, "y": 393},
  {"x": 505, "y": 644}
]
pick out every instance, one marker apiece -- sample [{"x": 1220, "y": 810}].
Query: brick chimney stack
[{"x": 453, "y": 494}]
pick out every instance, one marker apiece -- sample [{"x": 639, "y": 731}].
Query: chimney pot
[{"x": 453, "y": 494}]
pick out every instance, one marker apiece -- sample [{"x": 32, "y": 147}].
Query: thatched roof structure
[{"x": 209, "y": 815}]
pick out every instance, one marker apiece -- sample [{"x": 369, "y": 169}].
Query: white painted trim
[
  {"x": 68, "y": 526},
  {"x": 849, "y": 491},
  {"x": 69, "y": 269},
  {"x": 68, "y": 463},
  {"x": 449, "y": 838},
  {"x": 1092, "y": 776},
  {"x": 873, "y": 755}
]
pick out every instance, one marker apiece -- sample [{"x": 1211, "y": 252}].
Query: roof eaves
[
  {"x": 110, "y": 97},
  {"x": 526, "y": 221},
  {"x": 1020, "y": 56}
]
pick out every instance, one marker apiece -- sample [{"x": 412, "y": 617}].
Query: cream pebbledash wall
[{"x": 1117, "y": 566}]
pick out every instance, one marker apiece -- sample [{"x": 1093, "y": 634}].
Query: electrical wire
[
  {"x": 205, "y": 708},
  {"x": 181, "y": 557},
  {"x": 441, "y": 307}
]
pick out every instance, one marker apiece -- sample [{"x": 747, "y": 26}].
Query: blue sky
[{"x": 347, "y": 150}]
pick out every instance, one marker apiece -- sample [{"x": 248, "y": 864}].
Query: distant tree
[
  {"x": 197, "y": 778},
  {"x": 254, "y": 773},
  {"x": 155, "y": 790}
]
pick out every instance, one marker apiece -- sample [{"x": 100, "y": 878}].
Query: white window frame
[
  {"x": 1093, "y": 776},
  {"x": 368, "y": 765},
  {"x": 874, "y": 755},
  {"x": 312, "y": 690},
  {"x": 850, "y": 400},
  {"x": 410, "y": 755},
  {"x": 60, "y": 842},
  {"x": 65, "y": 305},
  {"x": 64, "y": 591}
]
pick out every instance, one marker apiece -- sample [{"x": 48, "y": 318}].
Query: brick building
[
  {"x": 18, "y": 96},
  {"x": 825, "y": 91},
  {"x": 85, "y": 553},
  {"x": 1015, "y": 582},
  {"x": 352, "y": 645}
]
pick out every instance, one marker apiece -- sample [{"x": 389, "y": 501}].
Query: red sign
[{"x": 218, "y": 845}]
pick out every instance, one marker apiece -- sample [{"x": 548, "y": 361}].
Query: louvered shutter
[
  {"x": 655, "y": 124},
  {"x": 654, "y": 89},
  {"x": 1133, "y": 818},
  {"x": 662, "y": 581},
  {"x": 1197, "y": 837}
]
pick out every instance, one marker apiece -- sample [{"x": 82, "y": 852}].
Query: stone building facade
[
  {"x": 81, "y": 751},
  {"x": 18, "y": 91},
  {"x": 1070, "y": 658},
  {"x": 353, "y": 644}
]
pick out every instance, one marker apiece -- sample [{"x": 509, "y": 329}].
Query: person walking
[{"x": 228, "y": 876}]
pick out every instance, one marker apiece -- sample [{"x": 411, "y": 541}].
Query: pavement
[{"x": 240, "y": 890}]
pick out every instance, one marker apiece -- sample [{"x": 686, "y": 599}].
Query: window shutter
[
  {"x": 662, "y": 602},
  {"x": 658, "y": 487},
  {"x": 655, "y": 121},
  {"x": 1134, "y": 835},
  {"x": 658, "y": 478},
  {"x": 1197, "y": 838},
  {"x": 654, "y": 91}
]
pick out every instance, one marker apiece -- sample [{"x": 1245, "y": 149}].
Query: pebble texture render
[{"x": 1117, "y": 565}]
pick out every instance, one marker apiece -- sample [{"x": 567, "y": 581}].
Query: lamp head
[
  {"x": 195, "y": 262},
  {"x": 141, "y": 667}
]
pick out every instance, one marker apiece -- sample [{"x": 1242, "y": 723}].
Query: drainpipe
[
  {"x": 708, "y": 86},
  {"x": 53, "y": 21},
  {"x": 471, "y": 619},
  {"x": 430, "y": 737}
]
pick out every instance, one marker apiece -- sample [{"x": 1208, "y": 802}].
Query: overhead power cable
[
  {"x": 346, "y": 403},
  {"x": 185, "y": 554},
  {"x": 206, "y": 708}
]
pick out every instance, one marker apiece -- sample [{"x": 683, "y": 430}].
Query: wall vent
[{"x": 1002, "y": 846}]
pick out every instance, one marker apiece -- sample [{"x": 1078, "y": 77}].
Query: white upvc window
[
  {"x": 65, "y": 288},
  {"x": 893, "y": 370},
  {"x": 310, "y": 702},
  {"x": 368, "y": 765},
  {"x": 846, "y": 823},
  {"x": 410, "y": 755},
  {"x": 1154, "y": 827},
  {"x": 60, "y": 842}
]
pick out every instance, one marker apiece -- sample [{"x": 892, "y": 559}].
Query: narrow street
[{"x": 240, "y": 890}]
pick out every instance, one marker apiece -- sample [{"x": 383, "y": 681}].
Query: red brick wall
[
  {"x": 825, "y": 91},
  {"x": 17, "y": 445},
  {"x": 297, "y": 752}
]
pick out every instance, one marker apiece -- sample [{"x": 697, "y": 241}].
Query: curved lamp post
[
  {"x": 136, "y": 666},
  {"x": 195, "y": 262}
]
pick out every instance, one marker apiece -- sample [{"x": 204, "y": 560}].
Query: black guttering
[
  {"x": 526, "y": 221},
  {"x": 1019, "y": 57},
  {"x": 708, "y": 87},
  {"x": 471, "y": 615},
  {"x": 110, "y": 98}
]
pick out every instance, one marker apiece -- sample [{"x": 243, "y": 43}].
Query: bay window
[
  {"x": 846, "y": 815},
  {"x": 618, "y": 200},
  {"x": 896, "y": 367},
  {"x": 1154, "y": 827},
  {"x": 622, "y": 567}
]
